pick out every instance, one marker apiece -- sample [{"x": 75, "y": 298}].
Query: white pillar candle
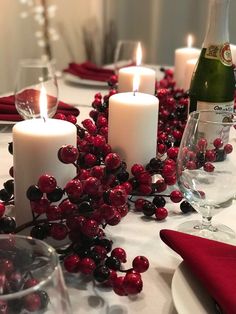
[
  {"x": 233, "y": 52},
  {"x": 132, "y": 126},
  {"x": 36, "y": 144},
  {"x": 147, "y": 79},
  {"x": 190, "y": 66},
  {"x": 182, "y": 55}
]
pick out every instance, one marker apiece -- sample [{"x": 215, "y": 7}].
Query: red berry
[
  {"x": 53, "y": 213},
  {"x": 145, "y": 189},
  {"x": 191, "y": 165},
  {"x": 132, "y": 283},
  {"x": 208, "y": 167},
  {"x": 118, "y": 197},
  {"x": 112, "y": 161},
  {"x": 228, "y": 148},
  {"x": 168, "y": 170},
  {"x": 202, "y": 144},
  {"x": 75, "y": 222},
  {"x": 68, "y": 154},
  {"x": 144, "y": 178},
  {"x": 87, "y": 265},
  {"x": 218, "y": 142},
  {"x": 172, "y": 152},
  {"x": 176, "y": 196},
  {"x": 40, "y": 207},
  {"x": 140, "y": 264},
  {"x": 137, "y": 169},
  {"x": 119, "y": 253},
  {"x": 90, "y": 228},
  {"x": 118, "y": 286},
  {"x": 30, "y": 283},
  {"x": 90, "y": 160},
  {"x": 58, "y": 231},
  {"x": 2, "y": 209},
  {"x": 47, "y": 183},
  {"x": 91, "y": 185},
  {"x": 115, "y": 220},
  {"x": 138, "y": 205},
  {"x": 170, "y": 180},
  {"x": 160, "y": 185},
  {"x": 71, "y": 118},
  {"x": 97, "y": 171},
  {"x": 99, "y": 141},
  {"x": 74, "y": 189},
  {"x": 161, "y": 213},
  {"x": 32, "y": 302},
  {"x": 60, "y": 116},
  {"x": 71, "y": 263},
  {"x": 67, "y": 207}
]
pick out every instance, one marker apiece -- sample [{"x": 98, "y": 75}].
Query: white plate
[
  {"x": 189, "y": 295},
  {"x": 7, "y": 122},
  {"x": 77, "y": 80}
]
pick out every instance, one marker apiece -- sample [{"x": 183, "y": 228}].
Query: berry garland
[{"x": 103, "y": 192}]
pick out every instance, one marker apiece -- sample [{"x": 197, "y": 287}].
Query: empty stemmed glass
[
  {"x": 125, "y": 53},
  {"x": 206, "y": 170},
  {"x": 31, "y": 278},
  {"x": 34, "y": 76}
]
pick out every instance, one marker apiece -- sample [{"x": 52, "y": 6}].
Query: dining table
[{"x": 138, "y": 236}]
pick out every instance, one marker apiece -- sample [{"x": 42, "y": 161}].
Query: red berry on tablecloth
[
  {"x": 139, "y": 203},
  {"x": 60, "y": 116},
  {"x": 228, "y": 148},
  {"x": 47, "y": 183},
  {"x": 120, "y": 254},
  {"x": 71, "y": 118},
  {"x": 31, "y": 282},
  {"x": 218, "y": 142},
  {"x": 71, "y": 263},
  {"x": 160, "y": 185},
  {"x": 161, "y": 213},
  {"x": 53, "y": 213},
  {"x": 68, "y": 154},
  {"x": 40, "y": 207},
  {"x": 91, "y": 186},
  {"x": 90, "y": 228},
  {"x": 67, "y": 208},
  {"x": 137, "y": 169},
  {"x": 118, "y": 287},
  {"x": 118, "y": 197},
  {"x": 176, "y": 196},
  {"x": 140, "y": 264},
  {"x": 115, "y": 220},
  {"x": 208, "y": 167},
  {"x": 112, "y": 161},
  {"x": 132, "y": 283}
]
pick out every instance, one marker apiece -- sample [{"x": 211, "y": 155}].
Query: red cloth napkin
[
  {"x": 89, "y": 71},
  {"x": 8, "y": 110},
  {"x": 214, "y": 263}
]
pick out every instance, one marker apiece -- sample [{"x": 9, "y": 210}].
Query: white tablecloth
[{"x": 136, "y": 235}]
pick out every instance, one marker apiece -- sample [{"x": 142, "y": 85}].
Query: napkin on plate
[
  {"x": 213, "y": 263},
  {"x": 89, "y": 71},
  {"x": 8, "y": 110}
]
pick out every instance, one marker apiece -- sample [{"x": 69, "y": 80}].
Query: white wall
[{"x": 162, "y": 25}]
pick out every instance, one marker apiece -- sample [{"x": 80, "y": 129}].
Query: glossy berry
[
  {"x": 31, "y": 282},
  {"x": 113, "y": 263},
  {"x": 68, "y": 154},
  {"x": 176, "y": 196},
  {"x": 119, "y": 253},
  {"x": 228, "y": 148},
  {"x": 186, "y": 207},
  {"x": 71, "y": 263},
  {"x": 87, "y": 265},
  {"x": 32, "y": 302},
  {"x": 101, "y": 273},
  {"x": 74, "y": 189},
  {"x": 140, "y": 264},
  {"x": 90, "y": 228},
  {"x": 2, "y": 209},
  {"x": 161, "y": 213},
  {"x": 208, "y": 167},
  {"x": 132, "y": 283},
  {"x": 112, "y": 161},
  {"x": 47, "y": 183},
  {"x": 159, "y": 201},
  {"x": 218, "y": 142},
  {"x": 149, "y": 209},
  {"x": 55, "y": 195},
  {"x": 7, "y": 224},
  {"x": 33, "y": 193},
  {"x": 137, "y": 169},
  {"x": 58, "y": 231},
  {"x": 118, "y": 197},
  {"x": 38, "y": 232},
  {"x": 118, "y": 286}
]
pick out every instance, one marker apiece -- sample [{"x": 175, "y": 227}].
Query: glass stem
[{"x": 206, "y": 222}]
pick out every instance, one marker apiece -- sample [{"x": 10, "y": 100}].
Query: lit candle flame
[
  {"x": 136, "y": 82},
  {"x": 190, "y": 41},
  {"x": 139, "y": 54},
  {"x": 43, "y": 103}
]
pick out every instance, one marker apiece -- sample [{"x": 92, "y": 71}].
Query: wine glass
[
  {"x": 31, "y": 278},
  {"x": 125, "y": 53},
  {"x": 206, "y": 170},
  {"x": 35, "y": 78}
]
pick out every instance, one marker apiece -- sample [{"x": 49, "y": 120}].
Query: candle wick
[
  {"x": 44, "y": 119},
  {"x": 135, "y": 92}
]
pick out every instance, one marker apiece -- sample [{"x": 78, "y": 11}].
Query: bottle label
[
  {"x": 220, "y": 52},
  {"x": 212, "y": 131}
]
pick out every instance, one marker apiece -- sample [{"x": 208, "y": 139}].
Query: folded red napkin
[
  {"x": 89, "y": 71},
  {"x": 8, "y": 110},
  {"x": 214, "y": 263}
]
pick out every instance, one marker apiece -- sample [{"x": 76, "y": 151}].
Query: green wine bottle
[{"x": 213, "y": 83}]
